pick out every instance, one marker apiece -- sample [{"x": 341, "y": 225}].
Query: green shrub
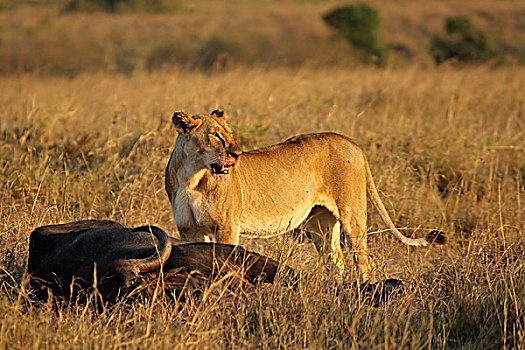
[
  {"x": 92, "y": 5},
  {"x": 116, "y": 5},
  {"x": 359, "y": 23},
  {"x": 463, "y": 42}
]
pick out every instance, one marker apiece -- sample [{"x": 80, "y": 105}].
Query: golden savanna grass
[
  {"x": 205, "y": 34},
  {"x": 445, "y": 144}
]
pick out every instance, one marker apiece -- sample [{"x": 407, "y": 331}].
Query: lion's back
[{"x": 308, "y": 150}]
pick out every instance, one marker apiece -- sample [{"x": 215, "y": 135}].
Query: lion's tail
[{"x": 433, "y": 237}]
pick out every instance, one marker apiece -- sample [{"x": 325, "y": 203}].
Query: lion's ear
[
  {"x": 219, "y": 113},
  {"x": 184, "y": 123}
]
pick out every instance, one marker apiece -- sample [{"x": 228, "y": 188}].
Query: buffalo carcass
[{"x": 66, "y": 260}]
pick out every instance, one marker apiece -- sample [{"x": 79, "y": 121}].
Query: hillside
[{"x": 38, "y": 36}]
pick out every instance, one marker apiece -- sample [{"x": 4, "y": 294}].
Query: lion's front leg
[
  {"x": 228, "y": 234},
  {"x": 196, "y": 234}
]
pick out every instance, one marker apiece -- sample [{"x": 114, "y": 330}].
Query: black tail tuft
[{"x": 436, "y": 237}]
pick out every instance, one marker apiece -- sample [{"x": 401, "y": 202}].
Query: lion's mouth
[
  {"x": 220, "y": 169},
  {"x": 221, "y": 172}
]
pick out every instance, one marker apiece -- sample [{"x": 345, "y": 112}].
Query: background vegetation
[
  {"x": 79, "y": 139},
  {"x": 464, "y": 42},
  {"x": 358, "y": 24},
  {"x": 43, "y": 36}
]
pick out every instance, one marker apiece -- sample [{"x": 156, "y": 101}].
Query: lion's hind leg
[
  {"x": 324, "y": 229},
  {"x": 354, "y": 227}
]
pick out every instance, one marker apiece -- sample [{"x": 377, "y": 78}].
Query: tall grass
[
  {"x": 38, "y": 36},
  {"x": 446, "y": 148}
]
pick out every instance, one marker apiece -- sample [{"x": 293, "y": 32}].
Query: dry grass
[
  {"x": 446, "y": 147},
  {"x": 36, "y": 36}
]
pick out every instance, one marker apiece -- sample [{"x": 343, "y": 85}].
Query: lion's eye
[{"x": 218, "y": 137}]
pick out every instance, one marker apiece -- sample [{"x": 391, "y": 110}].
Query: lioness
[{"x": 320, "y": 180}]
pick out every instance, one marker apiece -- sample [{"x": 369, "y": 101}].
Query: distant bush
[
  {"x": 79, "y": 5},
  {"x": 359, "y": 23},
  {"x": 116, "y": 5},
  {"x": 464, "y": 42}
]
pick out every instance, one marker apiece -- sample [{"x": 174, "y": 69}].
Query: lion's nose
[
  {"x": 235, "y": 152},
  {"x": 235, "y": 155}
]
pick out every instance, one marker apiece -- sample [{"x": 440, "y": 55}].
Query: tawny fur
[{"x": 320, "y": 180}]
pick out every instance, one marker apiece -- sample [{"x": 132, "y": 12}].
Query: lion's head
[{"x": 209, "y": 141}]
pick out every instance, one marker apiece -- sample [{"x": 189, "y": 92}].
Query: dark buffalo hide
[{"x": 74, "y": 259}]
